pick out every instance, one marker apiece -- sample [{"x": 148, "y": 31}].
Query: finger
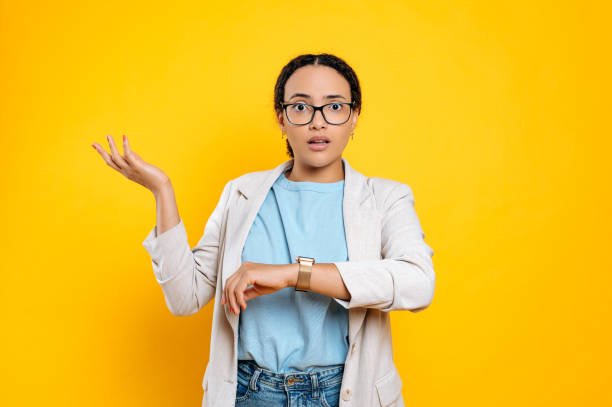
[
  {"x": 225, "y": 295},
  {"x": 250, "y": 293},
  {"x": 240, "y": 295},
  {"x": 232, "y": 298},
  {"x": 234, "y": 302},
  {"x": 115, "y": 156},
  {"x": 126, "y": 145},
  {"x": 130, "y": 156},
  {"x": 226, "y": 292},
  {"x": 127, "y": 152},
  {"x": 105, "y": 156}
]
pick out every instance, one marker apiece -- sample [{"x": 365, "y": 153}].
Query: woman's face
[{"x": 317, "y": 85}]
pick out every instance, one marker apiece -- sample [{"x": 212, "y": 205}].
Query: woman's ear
[
  {"x": 354, "y": 120},
  {"x": 281, "y": 121}
]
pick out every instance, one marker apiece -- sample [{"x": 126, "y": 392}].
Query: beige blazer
[{"x": 389, "y": 268}]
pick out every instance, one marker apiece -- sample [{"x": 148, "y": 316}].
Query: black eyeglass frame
[{"x": 351, "y": 106}]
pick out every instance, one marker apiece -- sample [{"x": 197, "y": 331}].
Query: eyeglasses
[{"x": 302, "y": 113}]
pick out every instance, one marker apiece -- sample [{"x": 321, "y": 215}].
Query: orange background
[{"x": 497, "y": 115}]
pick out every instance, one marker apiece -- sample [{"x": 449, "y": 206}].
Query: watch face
[{"x": 305, "y": 259}]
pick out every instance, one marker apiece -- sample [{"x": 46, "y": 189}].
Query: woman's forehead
[{"x": 318, "y": 82}]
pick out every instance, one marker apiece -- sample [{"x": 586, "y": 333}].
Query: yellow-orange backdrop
[{"x": 495, "y": 114}]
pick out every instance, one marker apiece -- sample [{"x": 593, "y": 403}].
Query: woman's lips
[{"x": 318, "y": 146}]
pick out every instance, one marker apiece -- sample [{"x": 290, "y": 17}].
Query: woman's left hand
[{"x": 265, "y": 278}]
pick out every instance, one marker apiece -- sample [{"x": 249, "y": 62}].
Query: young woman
[{"x": 319, "y": 252}]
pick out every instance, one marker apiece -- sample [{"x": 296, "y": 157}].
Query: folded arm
[{"x": 404, "y": 278}]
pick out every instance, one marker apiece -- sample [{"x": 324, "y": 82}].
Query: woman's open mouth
[{"x": 318, "y": 145}]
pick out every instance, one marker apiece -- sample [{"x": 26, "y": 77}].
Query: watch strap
[{"x": 304, "y": 273}]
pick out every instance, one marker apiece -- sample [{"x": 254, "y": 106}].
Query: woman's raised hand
[{"x": 132, "y": 166}]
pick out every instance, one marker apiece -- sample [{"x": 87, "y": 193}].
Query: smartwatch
[{"x": 304, "y": 273}]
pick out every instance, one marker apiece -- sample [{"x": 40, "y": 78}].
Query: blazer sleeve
[
  {"x": 404, "y": 278},
  {"x": 187, "y": 276}
]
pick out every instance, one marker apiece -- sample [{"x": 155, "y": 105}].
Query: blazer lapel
[
  {"x": 361, "y": 225},
  {"x": 362, "y": 230},
  {"x": 241, "y": 214}
]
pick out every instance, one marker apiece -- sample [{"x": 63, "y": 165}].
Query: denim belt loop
[
  {"x": 253, "y": 383},
  {"x": 315, "y": 385}
]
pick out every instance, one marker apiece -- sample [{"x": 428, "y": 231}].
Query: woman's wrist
[
  {"x": 164, "y": 188},
  {"x": 291, "y": 271}
]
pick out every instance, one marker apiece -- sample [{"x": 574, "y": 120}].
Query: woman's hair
[{"x": 315, "y": 59}]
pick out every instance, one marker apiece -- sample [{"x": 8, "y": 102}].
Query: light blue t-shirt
[{"x": 291, "y": 330}]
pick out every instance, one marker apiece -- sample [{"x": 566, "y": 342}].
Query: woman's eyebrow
[{"x": 304, "y": 95}]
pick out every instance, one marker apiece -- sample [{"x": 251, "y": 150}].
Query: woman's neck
[{"x": 332, "y": 172}]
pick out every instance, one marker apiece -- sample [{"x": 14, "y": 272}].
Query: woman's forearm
[
  {"x": 167, "y": 215},
  {"x": 325, "y": 279}
]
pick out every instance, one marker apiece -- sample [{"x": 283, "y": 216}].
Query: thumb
[{"x": 250, "y": 292}]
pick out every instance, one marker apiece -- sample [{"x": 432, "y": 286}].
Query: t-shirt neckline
[{"x": 308, "y": 185}]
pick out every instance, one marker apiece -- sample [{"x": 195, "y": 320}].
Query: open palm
[{"x": 132, "y": 166}]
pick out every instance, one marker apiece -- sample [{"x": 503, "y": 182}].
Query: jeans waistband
[{"x": 314, "y": 380}]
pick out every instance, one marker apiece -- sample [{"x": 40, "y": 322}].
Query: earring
[{"x": 352, "y": 135}]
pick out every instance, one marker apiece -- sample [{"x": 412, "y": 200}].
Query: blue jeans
[{"x": 259, "y": 387}]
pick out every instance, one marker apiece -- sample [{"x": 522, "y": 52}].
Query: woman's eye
[
  {"x": 336, "y": 106},
  {"x": 299, "y": 106}
]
